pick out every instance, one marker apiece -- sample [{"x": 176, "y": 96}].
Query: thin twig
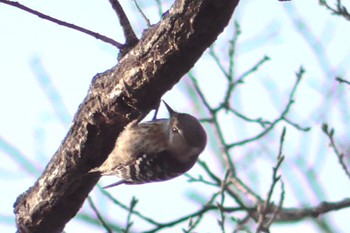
[
  {"x": 129, "y": 223},
  {"x": 158, "y": 225},
  {"x": 299, "y": 75},
  {"x": 200, "y": 179},
  {"x": 255, "y": 198},
  {"x": 207, "y": 207},
  {"x": 253, "y": 69},
  {"x": 126, "y": 208},
  {"x": 130, "y": 37},
  {"x": 215, "y": 122},
  {"x": 298, "y": 127},
  {"x": 275, "y": 177},
  {"x": 143, "y": 14},
  {"x": 220, "y": 205},
  {"x": 93, "y": 221},
  {"x": 330, "y": 133},
  {"x": 259, "y": 121},
  {"x": 210, "y": 173},
  {"x": 218, "y": 62},
  {"x": 280, "y": 203},
  {"x": 340, "y": 9},
  {"x": 159, "y": 5},
  {"x": 65, "y": 24},
  {"x": 240, "y": 80},
  {"x": 232, "y": 50},
  {"x": 99, "y": 216},
  {"x": 340, "y": 80},
  {"x": 264, "y": 222}
]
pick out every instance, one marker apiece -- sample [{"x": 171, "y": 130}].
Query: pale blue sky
[{"x": 71, "y": 59}]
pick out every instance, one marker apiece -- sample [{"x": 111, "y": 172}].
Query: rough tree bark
[{"x": 131, "y": 88}]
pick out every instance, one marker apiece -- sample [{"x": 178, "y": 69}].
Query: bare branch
[
  {"x": 299, "y": 75},
  {"x": 65, "y": 24},
  {"x": 265, "y": 221},
  {"x": 143, "y": 14},
  {"x": 159, "y": 5},
  {"x": 215, "y": 122},
  {"x": 340, "y": 9},
  {"x": 242, "y": 187},
  {"x": 99, "y": 216},
  {"x": 130, "y": 37},
  {"x": 127, "y": 208},
  {"x": 297, "y": 214},
  {"x": 129, "y": 223},
  {"x": 330, "y": 134},
  {"x": 340, "y": 80}
]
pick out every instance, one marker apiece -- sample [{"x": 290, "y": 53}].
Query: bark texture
[{"x": 133, "y": 87}]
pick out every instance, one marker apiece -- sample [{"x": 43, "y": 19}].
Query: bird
[{"x": 156, "y": 150}]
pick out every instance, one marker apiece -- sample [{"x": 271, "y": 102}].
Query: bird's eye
[{"x": 175, "y": 130}]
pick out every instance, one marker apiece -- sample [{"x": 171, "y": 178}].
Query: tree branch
[
  {"x": 117, "y": 96},
  {"x": 63, "y": 23},
  {"x": 130, "y": 37}
]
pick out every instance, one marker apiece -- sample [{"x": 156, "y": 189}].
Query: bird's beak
[{"x": 170, "y": 110}]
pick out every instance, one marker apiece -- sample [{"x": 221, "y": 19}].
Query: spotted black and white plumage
[
  {"x": 152, "y": 168},
  {"x": 154, "y": 151}
]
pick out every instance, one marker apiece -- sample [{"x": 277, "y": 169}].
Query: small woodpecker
[{"x": 156, "y": 150}]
